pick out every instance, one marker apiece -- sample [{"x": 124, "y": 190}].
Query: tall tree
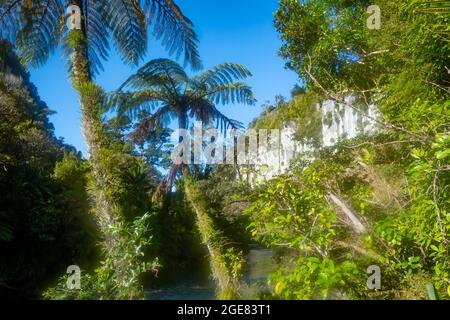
[
  {"x": 38, "y": 27},
  {"x": 164, "y": 88}
]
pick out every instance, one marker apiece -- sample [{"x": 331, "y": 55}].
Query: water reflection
[{"x": 260, "y": 262}]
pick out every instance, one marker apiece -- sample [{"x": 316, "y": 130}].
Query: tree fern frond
[
  {"x": 35, "y": 25},
  {"x": 232, "y": 93},
  {"x": 174, "y": 30},
  {"x": 133, "y": 103},
  {"x": 98, "y": 34},
  {"x": 166, "y": 66},
  {"x": 128, "y": 23},
  {"x": 160, "y": 118},
  {"x": 223, "y": 123},
  {"x": 225, "y": 73},
  {"x": 10, "y": 19},
  {"x": 205, "y": 111},
  {"x": 160, "y": 73},
  {"x": 7, "y": 58}
]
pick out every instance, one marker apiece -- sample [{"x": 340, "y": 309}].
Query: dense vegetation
[
  {"x": 395, "y": 183},
  {"x": 44, "y": 220},
  {"x": 130, "y": 218}
]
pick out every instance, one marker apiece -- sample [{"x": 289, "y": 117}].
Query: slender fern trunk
[
  {"x": 228, "y": 286},
  {"x": 91, "y": 97},
  {"x": 106, "y": 209}
]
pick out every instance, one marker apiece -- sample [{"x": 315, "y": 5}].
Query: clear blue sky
[{"x": 239, "y": 31}]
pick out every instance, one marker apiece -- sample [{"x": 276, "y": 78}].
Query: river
[{"x": 260, "y": 262}]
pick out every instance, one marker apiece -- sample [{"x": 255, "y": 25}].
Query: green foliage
[
  {"x": 328, "y": 35},
  {"x": 119, "y": 184},
  {"x": 46, "y": 208},
  {"x": 156, "y": 148},
  {"x": 71, "y": 173},
  {"x": 400, "y": 67},
  {"x": 303, "y": 112},
  {"x": 128, "y": 183},
  {"x": 116, "y": 179},
  {"x": 317, "y": 278},
  {"x": 234, "y": 261},
  {"x": 220, "y": 189},
  {"x": 163, "y": 85},
  {"x": 177, "y": 239},
  {"x": 419, "y": 237},
  {"x": 395, "y": 182},
  {"x": 408, "y": 219},
  {"x": 119, "y": 276},
  {"x": 6, "y": 233},
  {"x": 74, "y": 39},
  {"x": 294, "y": 213},
  {"x": 44, "y": 224},
  {"x": 432, "y": 6},
  {"x": 436, "y": 7}
]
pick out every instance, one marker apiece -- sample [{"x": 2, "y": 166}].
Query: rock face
[{"x": 338, "y": 122}]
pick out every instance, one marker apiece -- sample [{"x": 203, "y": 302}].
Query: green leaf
[
  {"x": 279, "y": 287},
  {"x": 443, "y": 154},
  {"x": 434, "y": 248}
]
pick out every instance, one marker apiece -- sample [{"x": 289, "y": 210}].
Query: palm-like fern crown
[
  {"x": 164, "y": 86},
  {"x": 37, "y": 27}
]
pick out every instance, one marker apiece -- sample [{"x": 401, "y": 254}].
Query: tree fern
[
  {"x": 163, "y": 84},
  {"x": 38, "y": 27},
  {"x": 33, "y": 25},
  {"x": 170, "y": 25}
]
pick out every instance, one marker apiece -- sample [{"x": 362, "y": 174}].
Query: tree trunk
[
  {"x": 228, "y": 286},
  {"x": 105, "y": 207},
  {"x": 226, "y": 283},
  {"x": 354, "y": 221},
  {"x": 93, "y": 129}
]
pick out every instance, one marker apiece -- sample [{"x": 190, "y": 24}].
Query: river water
[{"x": 260, "y": 262}]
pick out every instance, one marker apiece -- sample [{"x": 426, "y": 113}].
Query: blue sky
[{"x": 239, "y": 31}]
